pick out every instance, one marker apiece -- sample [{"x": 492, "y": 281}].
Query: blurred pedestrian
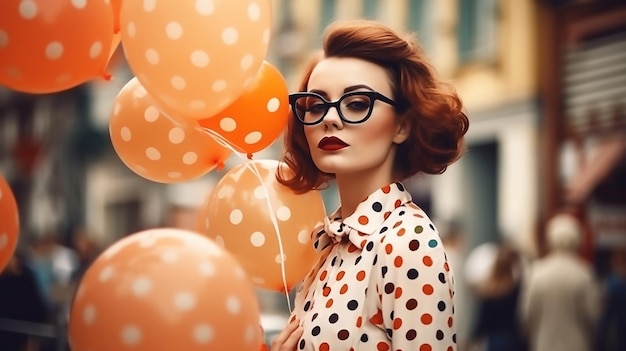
[
  {"x": 612, "y": 324},
  {"x": 560, "y": 302},
  {"x": 497, "y": 326}
]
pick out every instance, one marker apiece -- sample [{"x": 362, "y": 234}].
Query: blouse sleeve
[{"x": 416, "y": 290}]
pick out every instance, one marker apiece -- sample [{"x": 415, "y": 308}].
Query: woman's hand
[{"x": 288, "y": 338}]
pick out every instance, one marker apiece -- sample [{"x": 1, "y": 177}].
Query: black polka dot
[
  {"x": 390, "y": 333},
  {"x": 316, "y": 331},
  {"x": 384, "y": 270},
  {"x": 431, "y": 226},
  {"x": 332, "y": 263},
  {"x": 390, "y": 288},
  {"x": 364, "y": 338},
  {"x": 358, "y": 259},
  {"x": 439, "y": 335},
  {"x": 377, "y": 206},
  {"x": 302, "y": 344},
  {"x": 412, "y": 274},
  {"x": 441, "y": 306},
  {"x": 341, "y": 262},
  {"x": 383, "y": 229},
  {"x": 314, "y": 317},
  {"x": 307, "y": 305},
  {"x": 454, "y": 338},
  {"x": 333, "y": 318},
  {"x": 369, "y": 246},
  {"x": 400, "y": 186},
  {"x": 353, "y": 305},
  {"x": 401, "y": 213},
  {"x": 411, "y": 334},
  {"x": 442, "y": 277},
  {"x": 414, "y": 245},
  {"x": 411, "y": 304},
  {"x": 392, "y": 315},
  {"x": 343, "y": 334},
  {"x": 375, "y": 259}
]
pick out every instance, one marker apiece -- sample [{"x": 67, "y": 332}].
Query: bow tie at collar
[{"x": 334, "y": 231}]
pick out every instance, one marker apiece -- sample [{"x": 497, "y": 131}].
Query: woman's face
[{"x": 353, "y": 149}]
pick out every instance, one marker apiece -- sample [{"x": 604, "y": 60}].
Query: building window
[
  {"x": 419, "y": 21},
  {"x": 370, "y": 9},
  {"x": 477, "y": 27}
]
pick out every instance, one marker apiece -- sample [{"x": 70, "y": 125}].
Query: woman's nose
[{"x": 332, "y": 118}]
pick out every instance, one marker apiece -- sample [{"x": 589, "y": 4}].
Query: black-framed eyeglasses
[{"x": 353, "y": 107}]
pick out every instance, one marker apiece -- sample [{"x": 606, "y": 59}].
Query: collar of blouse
[{"x": 366, "y": 219}]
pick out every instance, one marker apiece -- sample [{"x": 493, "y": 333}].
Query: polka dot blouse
[{"x": 382, "y": 281}]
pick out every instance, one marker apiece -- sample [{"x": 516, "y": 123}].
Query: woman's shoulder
[{"x": 410, "y": 226}]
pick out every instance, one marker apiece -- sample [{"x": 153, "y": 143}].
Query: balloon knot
[
  {"x": 107, "y": 76},
  {"x": 249, "y": 156},
  {"x": 219, "y": 165}
]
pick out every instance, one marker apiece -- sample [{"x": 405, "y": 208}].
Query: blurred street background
[{"x": 544, "y": 85}]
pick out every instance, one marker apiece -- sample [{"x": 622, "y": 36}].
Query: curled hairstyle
[{"x": 431, "y": 109}]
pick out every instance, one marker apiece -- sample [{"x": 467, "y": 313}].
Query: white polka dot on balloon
[
  {"x": 253, "y": 138},
  {"x": 236, "y": 216},
  {"x": 28, "y": 9},
  {"x": 257, "y": 239},
  {"x": 228, "y": 124},
  {"x": 283, "y": 213},
  {"x": 203, "y": 334},
  {"x": 233, "y": 305},
  {"x": 131, "y": 335}
]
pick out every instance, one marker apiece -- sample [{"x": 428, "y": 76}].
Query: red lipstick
[{"x": 331, "y": 144}]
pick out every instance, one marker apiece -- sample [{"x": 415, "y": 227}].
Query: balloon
[
  {"x": 259, "y": 114},
  {"x": 9, "y": 223},
  {"x": 156, "y": 147},
  {"x": 116, "y": 5},
  {"x": 195, "y": 56},
  {"x": 164, "y": 289},
  {"x": 48, "y": 46},
  {"x": 236, "y": 215}
]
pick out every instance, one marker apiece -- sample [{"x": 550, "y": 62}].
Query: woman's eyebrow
[{"x": 356, "y": 87}]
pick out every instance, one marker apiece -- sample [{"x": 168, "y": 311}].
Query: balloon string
[{"x": 247, "y": 160}]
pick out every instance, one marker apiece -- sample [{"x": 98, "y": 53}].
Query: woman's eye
[
  {"x": 358, "y": 105},
  {"x": 317, "y": 108}
]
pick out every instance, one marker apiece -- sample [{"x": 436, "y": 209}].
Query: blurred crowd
[{"x": 36, "y": 289}]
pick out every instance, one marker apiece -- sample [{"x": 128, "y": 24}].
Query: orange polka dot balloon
[
  {"x": 164, "y": 289},
  {"x": 195, "y": 56},
  {"x": 52, "y": 45},
  {"x": 158, "y": 147},
  {"x": 258, "y": 116},
  {"x": 238, "y": 214},
  {"x": 9, "y": 223}
]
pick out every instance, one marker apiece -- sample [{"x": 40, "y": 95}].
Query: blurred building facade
[{"x": 543, "y": 81}]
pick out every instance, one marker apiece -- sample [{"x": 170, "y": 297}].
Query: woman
[{"x": 370, "y": 113}]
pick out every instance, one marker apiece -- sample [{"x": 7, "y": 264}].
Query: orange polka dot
[
  {"x": 340, "y": 275},
  {"x": 363, "y": 243},
  {"x": 398, "y": 261},
  {"x": 397, "y": 224},
  {"x": 359, "y": 322},
  {"x": 326, "y": 291},
  {"x": 426, "y": 318},
  {"x": 386, "y": 189},
  {"x": 387, "y": 214},
  {"x": 325, "y": 347},
  {"x": 401, "y": 232},
  {"x": 344, "y": 289},
  {"x": 329, "y": 303},
  {"x": 323, "y": 275},
  {"x": 360, "y": 276},
  {"x": 450, "y": 348},
  {"x": 382, "y": 346},
  {"x": 428, "y": 261},
  {"x": 352, "y": 248},
  {"x": 398, "y": 292},
  {"x": 446, "y": 267},
  {"x": 363, "y": 220},
  {"x": 418, "y": 215},
  {"x": 377, "y": 318},
  {"x": 398, "y": 203},
  {"x": 426, "y": 347},
  {"x": 428, "y": 289},
  {"x": 450, "y": 322},
  {"x": 388, "y": 248},
  {"x": 397, "y": 323}
]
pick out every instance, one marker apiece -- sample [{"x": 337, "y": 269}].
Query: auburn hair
[{"x": 432, "y": 109}]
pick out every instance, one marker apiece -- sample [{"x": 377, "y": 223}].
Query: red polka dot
[
  {"x": 326, "y": 291},
  {"x": 450, "y": 348},
  {"x": 360, "y": 276},
  {"x": 397, "y": 323},
  {"x": 388, "y": 248},
  {"x": 325, "y": 347},
  {"x": 387, "y": 214},
  {"x": 401, "y": 232},
  {"x": 359, "y": 322},
  {"x": 340, "y": 275},
  {"x": 398, "y": 292},
  {"x": 386, "y": 189},
  {"x": 323, "y": 275},
  {"x": 426, "y": 347},
  {"x": 446, "y": 267},
  {"x": 398, "y": 261},
  {"x": 426, "y": 319},
  {"x": 377, "y": 318},
  {"x": 428, "y": 261},
  {"x": 363, "y": 243},
  {"x": 363, "y": 220},
  {"x": 382, "y": 346},
  {"x": 352, "y": 248},
  {"x": 418, "y": 215},
  {"x": 329, "y": 303},
  {"x": 428, "y": 289},
  {"x": 344, "y": 289},
  {"x": 450, "y": 322},
  {"x": 398, "y": 203},
  {"x": 397, "y": 224}
]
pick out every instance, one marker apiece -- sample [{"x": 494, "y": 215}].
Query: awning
[{"x": 609, "y": 153}]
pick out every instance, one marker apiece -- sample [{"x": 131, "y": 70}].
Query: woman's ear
[{"x": 403, "y": 131}]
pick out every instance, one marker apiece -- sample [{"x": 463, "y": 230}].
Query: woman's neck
[{"x": 354, "y": 188}]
